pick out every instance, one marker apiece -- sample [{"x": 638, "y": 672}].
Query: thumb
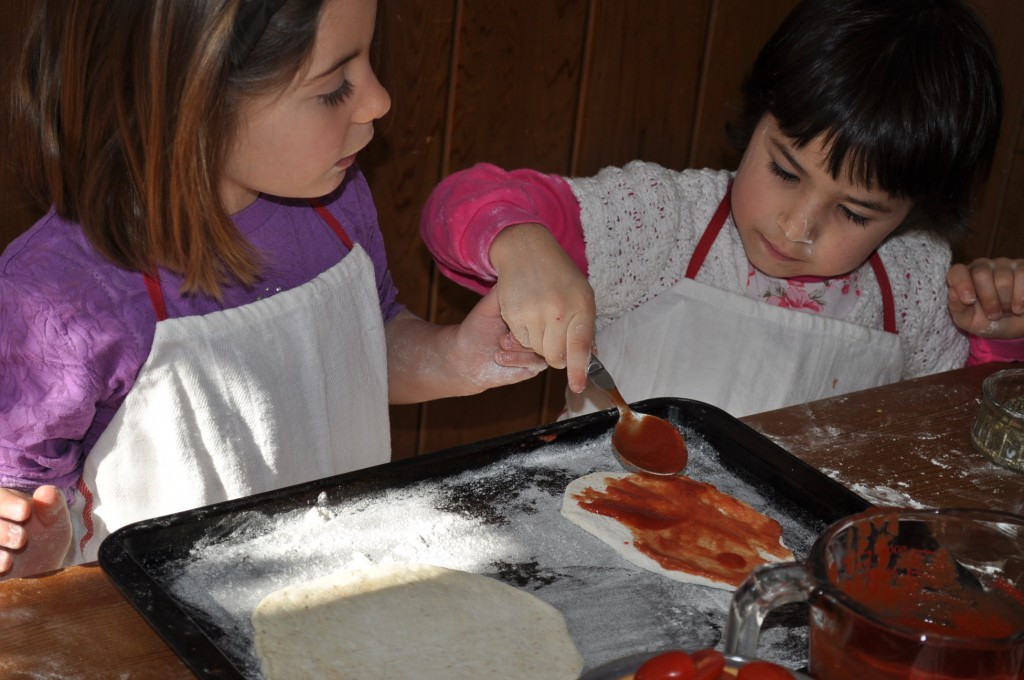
[
  {"x": 489, "y": 305},
  {"x": 49, "y": 505}
]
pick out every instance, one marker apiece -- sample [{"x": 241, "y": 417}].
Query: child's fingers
[
  {"x": 1003, "y": 273},
  {"x": 12, "y": 536},
  {"x": 983, "y": 276},
  {"x": 49, "y": 505},
  {"x": 580, "y": 342},
  {"x": 961, "y": 285},
  {"x": 956, "y": 305},
  {"x": 1017, "y": 288},
  {"x": 14, "y": 505}
]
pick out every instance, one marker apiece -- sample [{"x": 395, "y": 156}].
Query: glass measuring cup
[{"x": 922, "y": 594}]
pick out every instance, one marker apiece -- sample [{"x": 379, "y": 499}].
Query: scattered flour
[
  {"x": 883, "y": 495},
  {"x": 501, "y": 520}
]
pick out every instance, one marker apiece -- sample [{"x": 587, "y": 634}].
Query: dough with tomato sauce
[
  {"x": 689, "y": 531},
  {"x": 410, "y": 621}
]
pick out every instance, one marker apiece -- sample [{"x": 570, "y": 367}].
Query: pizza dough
[
  {"x": 693, "y": 534},
  {"x": 410, "y": 621}
]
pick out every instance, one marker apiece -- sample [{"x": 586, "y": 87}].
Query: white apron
[
  {"x": 695, "y": 341},
  {"x": 277, "y": 392}
]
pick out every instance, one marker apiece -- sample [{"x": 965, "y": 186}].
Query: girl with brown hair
[{"x": 206, "y": 311}]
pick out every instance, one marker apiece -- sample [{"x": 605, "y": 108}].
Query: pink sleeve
[
  {"x": 468, "y": 209},
  {"x": 985, "y": 350}
]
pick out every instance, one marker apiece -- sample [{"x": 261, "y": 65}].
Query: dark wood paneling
[
  {"x": 514, "y": 103},
  {"x": 517, "y": 83},
  {"x": 1009, "y": 235},
  {"x": 640, "y": 88},
  {"x": 996, "y": 224},
  {"x": 404, "y": 161},
  {"x": 736, "y": 32}
]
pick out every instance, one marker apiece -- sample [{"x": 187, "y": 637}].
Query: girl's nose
[
  {"x": 797, "y": 228},
  {"x": 375, "y": 102}
]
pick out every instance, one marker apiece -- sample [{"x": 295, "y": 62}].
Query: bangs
[{"x": 905, "y": 95}]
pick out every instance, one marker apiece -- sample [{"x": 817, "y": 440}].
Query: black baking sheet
[{"x": 490, "y": 507}]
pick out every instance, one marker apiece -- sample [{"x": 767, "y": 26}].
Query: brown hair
[{"x": 122, "y": 113}]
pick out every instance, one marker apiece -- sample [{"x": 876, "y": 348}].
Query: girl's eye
[
  {"x": 782, "y": 174},
  {"x": 339, "y": 95},
  {"x": 859, "y": 220}
]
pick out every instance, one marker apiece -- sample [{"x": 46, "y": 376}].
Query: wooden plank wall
[{"x": 567, "y": 86}]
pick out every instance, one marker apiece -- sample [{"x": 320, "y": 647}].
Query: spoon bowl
[{"x": 643, "y": 443}]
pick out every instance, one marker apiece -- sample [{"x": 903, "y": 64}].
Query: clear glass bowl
[{"x": 998, "y": 431}]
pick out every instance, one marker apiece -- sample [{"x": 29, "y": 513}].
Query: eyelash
[
  {"x": 777, "y": 170},
  {"x": 339, "y": 95},
  {"x": 790, "y": 178},
  {"x": 859, "y": 220}
]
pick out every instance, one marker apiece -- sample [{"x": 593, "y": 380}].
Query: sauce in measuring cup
[{"x": 897, "y": 594}]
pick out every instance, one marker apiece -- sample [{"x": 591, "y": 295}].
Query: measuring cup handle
[{"x": 768, "y": 586}]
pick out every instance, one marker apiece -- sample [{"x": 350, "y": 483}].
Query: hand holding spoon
[{"x": 646, "y": 443}]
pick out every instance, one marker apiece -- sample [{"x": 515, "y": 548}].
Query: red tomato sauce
[
  {"x": 689, "y": 526},
  {"x": 653, "y": 444}
]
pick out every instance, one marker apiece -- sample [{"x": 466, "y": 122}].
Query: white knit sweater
[{"x": 642, "y": 222}]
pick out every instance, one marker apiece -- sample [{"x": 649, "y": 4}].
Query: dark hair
[
  {"x": 906, "y": 93},
  {"x": 123, "y": 112}
]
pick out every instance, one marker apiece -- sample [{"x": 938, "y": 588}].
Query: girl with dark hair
[
  {"x": 817, "y": 268},
  {"x": 206, "y": 311}
]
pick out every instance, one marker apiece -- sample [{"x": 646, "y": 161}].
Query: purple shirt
[{"x": 75, "y": 329}]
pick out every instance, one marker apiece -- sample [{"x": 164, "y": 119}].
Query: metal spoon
[{"x": 643, "y": 442}]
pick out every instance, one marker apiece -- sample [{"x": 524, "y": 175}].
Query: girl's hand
[
  {"x": 35, "y": 532},
  {"x": 986, "y": 297},
  {"x": 486, "y": 354},
  {"x": 545, "y": 299},
  {"x": 429, "y": 361}
]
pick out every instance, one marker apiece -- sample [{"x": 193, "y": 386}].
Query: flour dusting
[{"x": 503, "y": 521}]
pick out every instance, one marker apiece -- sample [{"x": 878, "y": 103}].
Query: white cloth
[
  {"x": 278, "y": 392},
  {"x": 642, "y": 222},
  {"x": 694, "y": 341}
]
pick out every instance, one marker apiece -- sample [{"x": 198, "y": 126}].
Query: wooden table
[{"x": 904, "y": 444}]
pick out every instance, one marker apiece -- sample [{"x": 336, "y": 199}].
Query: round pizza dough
[
  {"x": 411, "y": 621},
  {"x": 620, "y": 537}
]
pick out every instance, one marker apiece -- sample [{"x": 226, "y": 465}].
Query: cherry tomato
[
  {"x": 709, "y": 664},
  {"x": 674, "y": 665},
  {"x": 763, "y": 670}
]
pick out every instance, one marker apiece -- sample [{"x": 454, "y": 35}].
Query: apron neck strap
[
  {"x": 156, "y": 295},
  {"x": 328, "y": 217},
  {"x": 152, "y": 278},
  {"x": 888, "y": 304},
  {"x": 710, "y": 234},
  {"x": 714, "y": 227}
]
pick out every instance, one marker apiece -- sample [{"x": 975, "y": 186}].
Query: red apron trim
[
  {"x": 86, "y": 513},
  {"x": 156, "y": 294},
  {"x": 714, "y": 227},
  {"x": 710, "y": 234},
  {"x": 331, "y": 221},
  {"x": 888, "y": 304}
]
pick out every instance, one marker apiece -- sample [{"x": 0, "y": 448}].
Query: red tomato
[
  {"x": 763, "y": 670},
  {"x": 709, "y": 664},
  {"x": 674, "y": 665}
]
